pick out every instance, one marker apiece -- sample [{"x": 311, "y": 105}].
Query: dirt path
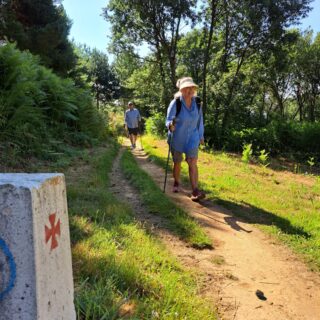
[{"x": 248, "y": 275}]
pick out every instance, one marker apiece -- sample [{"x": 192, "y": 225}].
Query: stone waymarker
[{"x": 35, "y": 259}]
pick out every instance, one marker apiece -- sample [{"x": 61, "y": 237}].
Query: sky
[{"x": 89, "y": 27}]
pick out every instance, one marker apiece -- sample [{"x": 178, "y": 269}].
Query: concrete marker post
[{"x": 36, "y": 279}]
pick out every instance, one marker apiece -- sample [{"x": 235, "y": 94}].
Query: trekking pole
[
  {"x": 169, "y": 151},
  {"x": 140, "y": 134}
]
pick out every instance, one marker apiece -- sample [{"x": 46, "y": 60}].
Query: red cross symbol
[{"x": 53, "y": 231}]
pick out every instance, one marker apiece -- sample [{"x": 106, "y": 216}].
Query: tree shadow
[
  {"x": 247, "y": 213},
  {"x": 297, "y": 166}
]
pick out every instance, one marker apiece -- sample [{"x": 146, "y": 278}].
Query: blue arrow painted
[{"x": 12, "y": 269}]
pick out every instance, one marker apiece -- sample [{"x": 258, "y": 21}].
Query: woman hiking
[{"x": 185, "y": 124}]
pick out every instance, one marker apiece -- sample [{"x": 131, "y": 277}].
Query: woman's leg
[
  {"x": 176, "y": 172},
  {"x": 196, "y": 195},
  {"x": 193, "y": 172}
]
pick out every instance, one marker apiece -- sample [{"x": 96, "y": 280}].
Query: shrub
[
  {"x": 300, "y": 139},
  {"x": 155, "y": 125}
]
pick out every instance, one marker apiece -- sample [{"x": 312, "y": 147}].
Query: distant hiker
[
  {"x": 132, "y": 119},
  {"x": 185, "y": 124}
]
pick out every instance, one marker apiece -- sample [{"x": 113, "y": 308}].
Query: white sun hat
[{"x": 185, "y": 83}]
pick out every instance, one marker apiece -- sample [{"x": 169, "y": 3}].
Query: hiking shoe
[
  {"x": 197, "y": 195},
  {"x": 175, "y": 187}
]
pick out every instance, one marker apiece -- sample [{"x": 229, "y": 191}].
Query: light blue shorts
[{"x": 177, "y": 156}]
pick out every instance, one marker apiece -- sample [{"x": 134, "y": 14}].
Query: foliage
[
  {"x": 40, "y": 111},
  {"x": 143, "y": 84},
  {"x": 93, "y": 71},
  {"x": 191, "y": 55},
  {"x": 156, "y": 23},
  {"x": 311, "y": 162},
  {"x": 253, "y": 71},
  {"x": 300, "y": 139},
  {"x": 42, "y": 27},
  {"x": 263, "y": 158},
  {"x": 104, "y": 83},
  {"x": 155, "y": 125},
  {"x": 247, "y": 153},
  {"x": 126, "y": 62}
]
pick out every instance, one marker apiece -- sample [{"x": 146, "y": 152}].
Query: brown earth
[{"x": 248, "y": 275}]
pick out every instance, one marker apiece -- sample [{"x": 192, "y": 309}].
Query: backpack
[{"x": 178, "y": 105}]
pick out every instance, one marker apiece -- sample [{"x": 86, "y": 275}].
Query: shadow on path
[{"x": 247, "y": 213}]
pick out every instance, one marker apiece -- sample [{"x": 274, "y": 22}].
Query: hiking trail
[{"x": 248, "y": 275}]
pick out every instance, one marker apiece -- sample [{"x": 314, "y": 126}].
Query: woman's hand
[
  {"x": 202, "y": 141},
  {"x": 172, "y": 127}
]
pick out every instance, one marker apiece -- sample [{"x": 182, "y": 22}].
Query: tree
[
  {"x": 105, "y": 85},
  {"x": 144, "y": 86},
  {"x": 307, "y": 77},
  {"x": 42, "y": 27},
  {"x": 247, "y": 28},
  {"x": 155, "y": 22},
  {"x": 190, "y": 55},
  {"x": 93, "y": 71},
  {"x": 211, "y": 12}
]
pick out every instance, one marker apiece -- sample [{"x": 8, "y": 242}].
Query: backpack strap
[
  {"x": 198, "y": 102},
  {"x": 178, "y": 104}
]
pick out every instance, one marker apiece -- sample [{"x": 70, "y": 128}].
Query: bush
[
  {"x": 39, "y": 110},
  {"x": 300, "y": 139},
  {"x": 264, "y": 138},
  {"x": 155, "y": 125}
]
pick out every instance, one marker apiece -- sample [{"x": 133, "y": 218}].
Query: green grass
[
  {"x": 282, "y": 203},
  {"x": 178, "y": 221},
  {"x": 119, "y": 266}
]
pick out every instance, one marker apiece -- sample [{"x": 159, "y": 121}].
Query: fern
[
  {"x": 264, "y": 158},
  {"x": 247, "y": 153},
  {"x": 38, "y": 107}
]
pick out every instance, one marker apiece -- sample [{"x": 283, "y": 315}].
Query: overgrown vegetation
[
  {"x": 120, "y": 269},
  {"x": 282, "y": 203},
  {"x": 46, "y": 112},
  {"x": 41, "y": 113}
]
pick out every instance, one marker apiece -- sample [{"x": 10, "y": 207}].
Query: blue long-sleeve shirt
[
  {"x": 189, "y": 126},
  {"x": 132, "y": 118}
]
